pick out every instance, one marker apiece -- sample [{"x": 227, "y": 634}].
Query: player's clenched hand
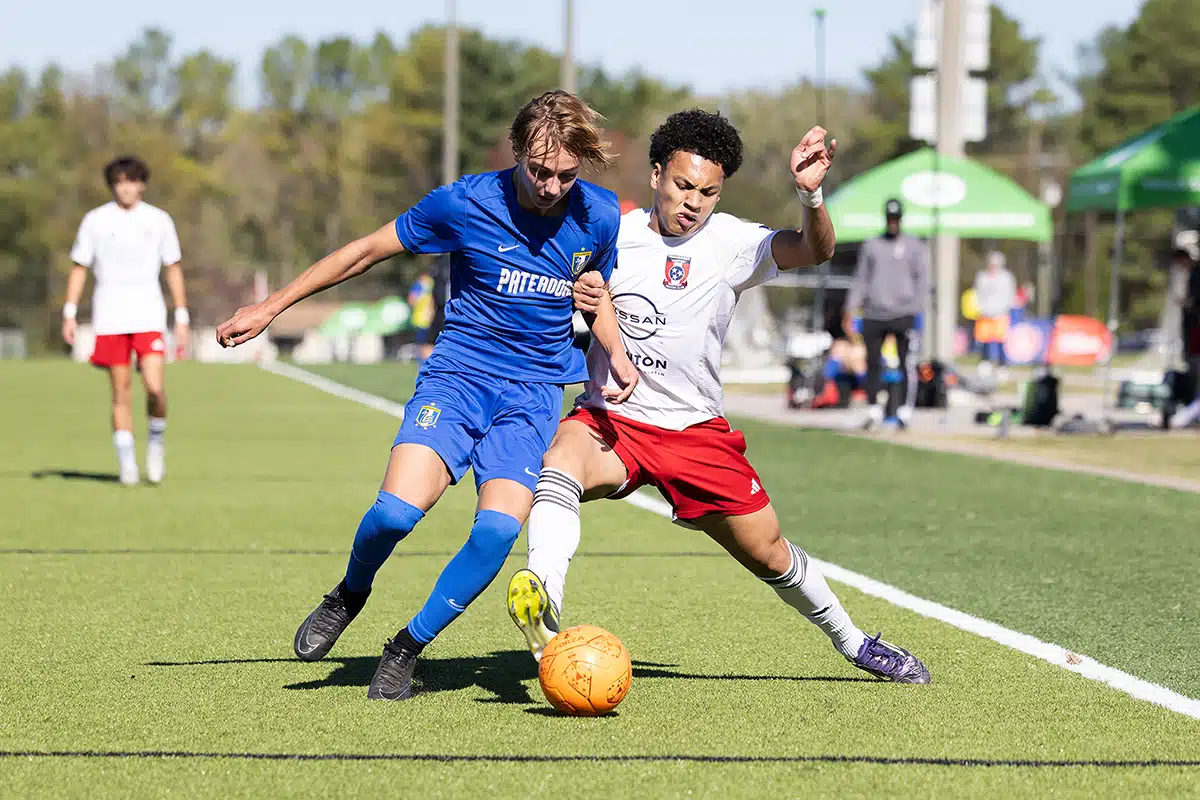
[
  {"x": 626, "y": 375},
  {"x": 181, "y": 337},
  {"x": 811, "y": 159},
  {"x": 69, "y": 327},
  {"x": 248, "y": 322},
  {"x": 589, "y": 289}
]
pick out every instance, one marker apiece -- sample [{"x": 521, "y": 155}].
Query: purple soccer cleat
[{"x": 886, "y": 660}]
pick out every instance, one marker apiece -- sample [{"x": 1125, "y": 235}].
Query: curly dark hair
[
  {"x": 130, "y": 167},
  {"x": 708, "y": 135}
]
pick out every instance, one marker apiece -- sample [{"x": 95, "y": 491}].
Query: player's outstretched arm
[
  {"x": 813, "y": 243},
  {"x": 595, "y": 301},
  {"x": 174, "y": 275},
  {"x": 75, "y": 284},
  {"x": 345, "y": 263}
]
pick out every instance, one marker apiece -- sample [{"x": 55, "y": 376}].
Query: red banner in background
[
  {"x": 1079, "y": 341},
  {"x": 1063, "y": 341}
]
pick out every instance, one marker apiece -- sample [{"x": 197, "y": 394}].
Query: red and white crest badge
[{"x": 678, "y": 268}]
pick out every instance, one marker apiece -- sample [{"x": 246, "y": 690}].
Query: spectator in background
[
  {"x": 1025, "y": 296},
  {"x": 1190, "y": 330},
  {"x": 420, "y": 301},
  {"x": 891, "y": 287},
  {"x": 1174, "y": 325},
  {"x": 996, "y": 294}
]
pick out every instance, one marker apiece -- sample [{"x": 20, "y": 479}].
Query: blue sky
[{"x": 713, "y": 45}]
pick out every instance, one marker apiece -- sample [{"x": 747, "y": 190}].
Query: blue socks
[
  {"x": 388, "y": 521},
  {"x": 467, "y": 574}
]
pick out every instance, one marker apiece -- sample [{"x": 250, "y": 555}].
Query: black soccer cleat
[
  {"x": 317, "y": 634},
  {"x": 394, "y": 675}
]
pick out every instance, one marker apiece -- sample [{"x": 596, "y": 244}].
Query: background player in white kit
[
  {"x": 125, "y": 244},
  {"x": 680, "y": 271}
]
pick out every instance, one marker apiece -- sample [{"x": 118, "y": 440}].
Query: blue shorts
[{"x": 499, "y": 428}]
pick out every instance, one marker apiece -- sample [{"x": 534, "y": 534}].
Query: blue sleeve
[
  {"x": 606, "y": 259},
  {"x": 432, "y": 225}
]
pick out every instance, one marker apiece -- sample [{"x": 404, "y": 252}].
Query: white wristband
[
  {"x": 811, "y": 199},
  {"x": 182, "y": 317},
  {"x": 70, "y": 310}
]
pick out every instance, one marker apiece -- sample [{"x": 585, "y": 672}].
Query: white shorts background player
[{"x": 125, "y": 244}]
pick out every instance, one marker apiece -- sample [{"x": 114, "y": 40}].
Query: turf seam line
[
  {"x": 542, "y": 759},
  {"x": 1052, "y": 653}
]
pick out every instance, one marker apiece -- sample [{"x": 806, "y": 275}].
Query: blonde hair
[{"x": 564, "y": 121}]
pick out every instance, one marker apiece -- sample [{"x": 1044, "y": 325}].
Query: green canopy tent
[
  {"x": 956, "y": 196},
  {"x": 386, "y": 317},
  {"x": 1158, "y": 168},
  {"x": 940, "y": 194},
  {"x": 349, "y": 320}
]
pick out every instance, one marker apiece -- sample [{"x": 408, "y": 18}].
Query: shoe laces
[
  {"x": 885, "y": 658},
  {"x": 327, "y": 620}
]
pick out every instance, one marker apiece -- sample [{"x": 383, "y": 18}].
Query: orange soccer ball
[{"x": 585, "y": 671}]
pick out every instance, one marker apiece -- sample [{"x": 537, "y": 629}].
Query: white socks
[
  {"x": 554, "y": 530},
  {"x": 803, "y": 587},
  {"x": 126, "y": 456},
  {"x": 155, "y": 450}
]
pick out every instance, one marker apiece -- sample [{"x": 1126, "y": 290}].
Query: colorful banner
[
  {"x": 1080, "y": 341},
  {"x": 1067, "y": 340}
]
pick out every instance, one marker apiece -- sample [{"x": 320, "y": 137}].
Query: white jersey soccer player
[
  {"x": 680, "y": 271},
  {"x": 125, "y": 244},
  {"x": 674, "y": 298}
]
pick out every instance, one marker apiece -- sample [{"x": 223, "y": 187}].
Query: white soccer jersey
[
  {"x": 126, "y": 250},
  {"x": 675, "y": 298}
]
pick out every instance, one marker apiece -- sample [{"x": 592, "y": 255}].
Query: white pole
[
  {"x": 949, "y": 145},
  {"x": 567, "y": 66}
]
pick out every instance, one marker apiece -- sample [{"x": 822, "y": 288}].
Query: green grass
[
  {"x": 1043, "y": 552},
  {"x": 1175, "y": 454},
  {"x": 161, "y": 619}
]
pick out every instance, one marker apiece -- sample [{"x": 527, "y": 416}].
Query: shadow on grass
[
  {"x": 75, "y": 475},
  {"x": 501, "y": 674}
]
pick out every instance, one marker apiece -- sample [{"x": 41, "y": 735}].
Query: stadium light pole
[
  {"x": 818, "y": 306},
  {"x": 946, "y": 249},
  {"x": 819, "y": 14},
  {"x": 450, "y": 99},
  {"x": 567, "y": 79}
]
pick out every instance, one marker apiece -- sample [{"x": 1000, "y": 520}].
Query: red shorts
[
  {"x": 699, "y": 470},
  {"x": 113, "y": 349}
]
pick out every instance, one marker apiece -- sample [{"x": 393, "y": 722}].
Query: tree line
[{"x": 348, "y": 133}]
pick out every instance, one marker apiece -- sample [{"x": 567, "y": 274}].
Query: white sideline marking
[
  {"x": 334, "y": 388},
  {"x": 1061, "y": 657}
]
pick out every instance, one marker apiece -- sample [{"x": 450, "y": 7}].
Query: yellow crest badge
[
  {"x": 427, "y": 417},
  {"x": 580, "y": 260}
]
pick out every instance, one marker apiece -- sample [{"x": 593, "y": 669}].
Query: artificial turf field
[{"x": 146, "y": 621}]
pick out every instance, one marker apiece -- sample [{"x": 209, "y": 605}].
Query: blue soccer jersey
[{"x": 510, "y": 306}]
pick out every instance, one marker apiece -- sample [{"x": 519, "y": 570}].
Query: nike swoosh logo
[
  {"x": 306, "y": 646},
  {"x": 506, "y": 249},
  {"x": 530, "y": 474}
]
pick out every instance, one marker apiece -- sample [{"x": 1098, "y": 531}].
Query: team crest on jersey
[
  {"x": 427, "y": 417},
  {"x": 678, "y": 268},
  {"x": 579, "y": 260}
]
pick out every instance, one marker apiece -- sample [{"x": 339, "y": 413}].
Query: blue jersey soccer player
[{"x": 489, "y": 396}]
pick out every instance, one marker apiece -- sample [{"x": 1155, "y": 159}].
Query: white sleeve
[
  {"x": 753, "y": 263},
  {"x": 83, "y": 252},
  {"x": 168, "y": 248}
]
